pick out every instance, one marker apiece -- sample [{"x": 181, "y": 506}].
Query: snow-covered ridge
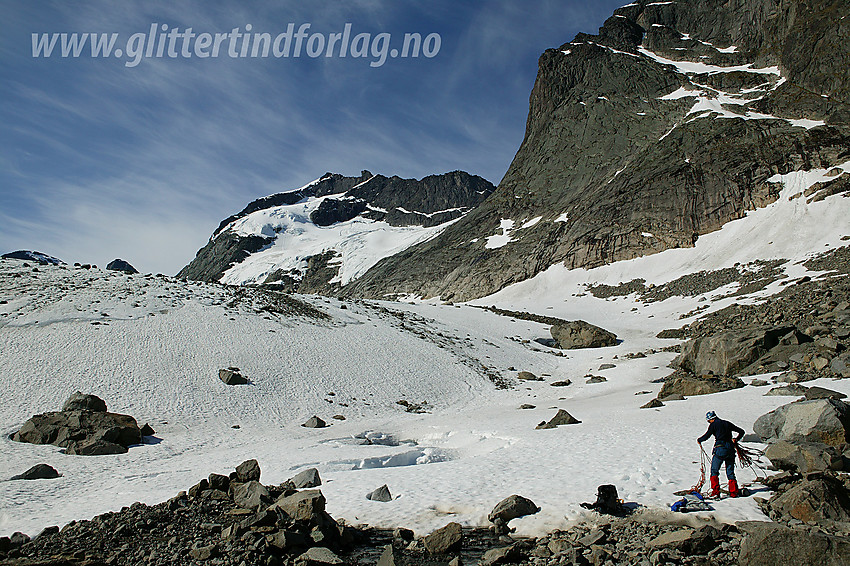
[{"x": 358, "y": 244}]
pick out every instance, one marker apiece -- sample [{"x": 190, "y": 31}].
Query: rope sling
[{"x": 747, "y": 457}]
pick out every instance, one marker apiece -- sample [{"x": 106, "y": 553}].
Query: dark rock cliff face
[
  {"x": 431, "y": 201},
  {"x": 616, "y": 167}
]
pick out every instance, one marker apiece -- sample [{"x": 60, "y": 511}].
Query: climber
[{"x": 724, "y": 452}]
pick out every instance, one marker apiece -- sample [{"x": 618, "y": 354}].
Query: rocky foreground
[{"x": 235, "y": 520}]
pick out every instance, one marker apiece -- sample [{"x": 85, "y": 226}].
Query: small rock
[
  {"x": 527, "y": 406},
  {"x": 147, "y": 430},
  {"x": 561, "y": 418},
  {"x": 204, "y": 552},
  {"x": 314, "y": 422},
  {"x": 511, "y": 508},
  {"x": 302, "y": 505},
  {"x": 83, "y": 402},
  {"x": 318, "y": 556},
  {"x": 231, "y": 376},
  {"x": 121, "y": 265},
  {"x": 606, "y": 366},
  {"x": 793, "y": 390},
  {"x": 445, "y": 540},
  {"x": 563, "y": 383},
  {"x": 249, "y": 470},
  {"x": 652, "y": 404},
  {"x": 505, "y": 555},
  {"x": 823, "y": 393},
  {"x": 306, "y": 478},
  {"x": 596, "y": 379},
  {"x": 380, "y": 494},
  {"x": 38, "y": 472},
  {"x": 528, "y": 376}
]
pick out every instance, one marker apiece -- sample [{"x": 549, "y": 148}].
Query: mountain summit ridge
[
  {"x": 663, "y": 127},
  {"x": 248, "y": 246}
]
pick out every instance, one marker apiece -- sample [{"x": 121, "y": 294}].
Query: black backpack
[{"x": 607, "y": 501}]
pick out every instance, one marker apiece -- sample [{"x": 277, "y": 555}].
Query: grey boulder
[
  {"x": 562, "y": 417},
  {"x": 82, "y": 432},
  {"x": 804, "y": 457},
  {"x": 38, "y": 472},
  {"x": 84, "y": 402},
  {"x": 381, "y": 494},
  {"x": 769, "y": 544},
  {"x": 249, "y": 470},
  {"x": 445, "y": 540},
  {"x": 121, "y": 265},
  {"x": 314, "y": 422},
  {"x": 306, "y": 478},
  {"x": 728, "y": 352},
  {"x": 231, "y": 376},
  {"x": 511, "y": 508},
  {"x": 689, "y": 385},
  {"x": 818, "y": 499},
  {"x": 580, "y": 334},
  {"x": 250, "y": 495},
  {"x": 822, "y": 420}
]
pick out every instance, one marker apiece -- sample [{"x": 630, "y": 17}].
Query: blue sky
[{"x": 99, "y": 160}]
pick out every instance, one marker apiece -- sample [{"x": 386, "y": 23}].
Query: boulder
[
  {"x": 792, "y": 390},
  {"x": 445, "y": 540},
  {"x": 219, "y": 482},
  {"x": 511, "y": 508},
  {"x": 390, "y": 557},
  {"x": 38, "y": 472},
  {"x": 381, "y": 494},
  {"x": 314, "y": 422},
  {"x": 823, "y": 393},
  {"x": 528, "y": 376},
  {"x": 561, "y": 418},
  {"x": 655, "y": 403},
  {"x": 840, "y": 365},
  {"x": 318, "y": 556},
  {"x": 94, "y": 447},
  {"x": 688, "y": 385},
  {"x": 249, "y": 470},
  {"x": 78, "y": 428},
  {"x": 728, "y": 352},
  {"x": 147, "y": 430},
  {"x": 287, "y": 540},
  {"x": 580, "y": 334},
  {"x": 84, "y": 402},
  {"x": 303, "y": 505},
  {"x": 250, "y": 495},
  {"x": 231, "y": 376},
  {"x": 822, "y": 420},
  {"x": 769, "y": 544},
  {"x": 121, "y": 265},
  {"x": 596, "y": 379},
  {"x": 504, "y": 555},
  {"x": 819, "y": 499},
  {"x": 804, "y": 457},
  {"x": 674, "y": 539},
  {"x": 306, "y": 478}
]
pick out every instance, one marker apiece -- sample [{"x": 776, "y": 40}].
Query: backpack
[{"x": 607, "y": 501}]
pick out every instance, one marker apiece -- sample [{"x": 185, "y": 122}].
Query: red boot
[
  {"x": 715, "y": 486},
  {"x": 733, "y": 488}
]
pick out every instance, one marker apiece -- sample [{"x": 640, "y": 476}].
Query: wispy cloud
[{"x": 101, "y": 161}]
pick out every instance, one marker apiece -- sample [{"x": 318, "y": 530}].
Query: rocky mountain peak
[{"x": 664, "y": 126}]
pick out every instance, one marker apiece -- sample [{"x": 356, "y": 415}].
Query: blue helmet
[{"x": 710, "y": 415}]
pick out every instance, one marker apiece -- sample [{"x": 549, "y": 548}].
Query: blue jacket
[{"x": 722, "y": 431}]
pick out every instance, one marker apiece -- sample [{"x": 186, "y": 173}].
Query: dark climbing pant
[{"x": 720, "y": 455}]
